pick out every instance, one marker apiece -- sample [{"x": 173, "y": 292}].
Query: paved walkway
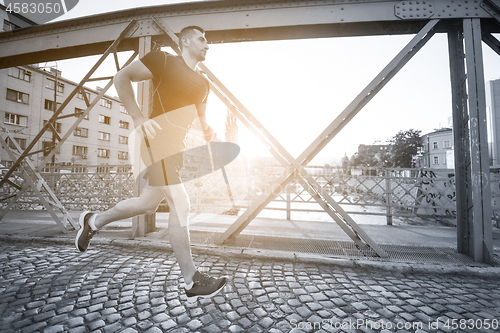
[
  {"x": 53, "y": 288},
  {"x": 426, "y": 248},
  {"x": 134, "y": 285}
]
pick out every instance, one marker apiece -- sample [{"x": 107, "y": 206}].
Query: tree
[
  {"x": 355, "y": 160},
  {"x": 369, "y": 156},
  {"x": 384, "y": 159},
  {"x": 231, "y": 132},
  {"x": 405, "y": 145}
]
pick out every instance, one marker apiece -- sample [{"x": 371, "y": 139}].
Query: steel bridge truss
[
  {"x": 467, "y": 23},
  {"x": 31, "y": 174}
]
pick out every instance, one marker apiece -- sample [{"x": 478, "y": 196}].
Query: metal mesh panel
[{"x": 335, "y": 248}]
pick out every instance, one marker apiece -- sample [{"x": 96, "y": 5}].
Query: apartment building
[
  {"x": 437, "y": 151},
  {"x": 28, "y": 97}
]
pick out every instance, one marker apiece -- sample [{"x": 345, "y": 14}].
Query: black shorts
[{"x": 163, "y": 155}]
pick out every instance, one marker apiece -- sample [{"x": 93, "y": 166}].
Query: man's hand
[
  {"x": 147, "y": 126},
  {"x": 209, "y": 133}
]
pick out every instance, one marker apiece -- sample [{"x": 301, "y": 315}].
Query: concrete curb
[{"x": 253, "y": 254}]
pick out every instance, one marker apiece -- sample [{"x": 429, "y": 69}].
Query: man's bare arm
[
  {"x": 207, "y": 130},
  {"x": 135, "y": 72}
]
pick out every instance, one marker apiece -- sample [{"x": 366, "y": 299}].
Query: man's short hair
[{"x": 187, "y": 32}]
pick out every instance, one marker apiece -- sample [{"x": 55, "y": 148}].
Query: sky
[{"x": 297, "y": 88}]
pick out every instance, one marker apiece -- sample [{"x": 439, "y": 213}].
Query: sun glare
[{"x": 251, "y": 147}]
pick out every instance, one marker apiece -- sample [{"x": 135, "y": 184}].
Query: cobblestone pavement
[{"x": 52, "y": 288}]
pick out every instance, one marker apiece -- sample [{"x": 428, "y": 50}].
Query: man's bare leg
[
  {"x": 145, "y": 204},
  {"x": 178, "y": 202}
]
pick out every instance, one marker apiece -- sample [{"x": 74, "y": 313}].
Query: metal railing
[{"x": 382, "y": 192}]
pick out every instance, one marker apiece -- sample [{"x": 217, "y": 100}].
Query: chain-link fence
[{"x": 384, "y": 192}]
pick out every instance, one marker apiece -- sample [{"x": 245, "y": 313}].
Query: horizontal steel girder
[{"x": 230, "y": 21}]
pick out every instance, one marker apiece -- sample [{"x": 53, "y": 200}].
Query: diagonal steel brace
[
  {"x": 294, "y": 167},
  {"x": 284, "y": 157},
  {"x": 363, "y": 98},
  {"x": 24, "y": 155},
  {"x": 54, "y": 117},
  {"x": 36, "y": 187}
]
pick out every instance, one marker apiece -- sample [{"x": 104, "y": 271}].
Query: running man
[{"x": 179, "y": 88}]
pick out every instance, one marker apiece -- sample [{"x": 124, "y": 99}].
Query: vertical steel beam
[
  {"x": 144, "y": 223},
  {"x": 461, "y": 134},
  {"x": 482, "y": 245}
]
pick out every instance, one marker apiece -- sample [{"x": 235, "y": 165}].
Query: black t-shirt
[{"x": 175, "y": 84}]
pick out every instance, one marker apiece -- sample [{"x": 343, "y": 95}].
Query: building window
[
  {"x": 123, "y": 110},
  {"x": 104, "y": 136},
  {"x": 435, "y": 145},
  {"x": 80, "y": 95},
  {"x": 105, "y": 102},
  {"x": 49, "y": 105},
  {"x": 15, "y": 119},
  {"x": 52, "y": 83},
  {"x": 79, "y": 111},
  {"x": 447, "y": 144},
  {"x": 58, "y": 126},
  {"x": 20, "y": 142},
  {"x": 102, "y": 169},
  {"x": 122, "y": 155},
  {"x": 9, "y": 26},
  {"x": 80, "y": 131},
  {"x": 123, "y": 124},
  {"x": 80, "y": 151},
  {"x": 47, "y": 147},
  {"x": 104, "y": 119},
  {"x": 103, "y": 152},
  {"x": 17, "y": 96},
  {"x": 123, "y": 139},
  {"x": 436, "y": 160},
  {"x": 20, "y": 73}
]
